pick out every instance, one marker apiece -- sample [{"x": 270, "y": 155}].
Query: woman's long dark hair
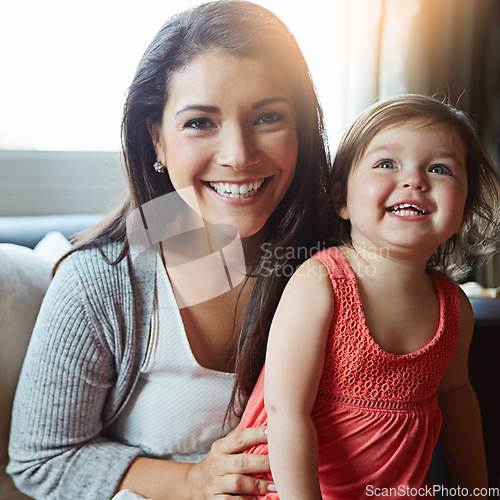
[{"x": 243, "y": 29}]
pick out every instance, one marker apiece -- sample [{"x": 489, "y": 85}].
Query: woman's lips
[{"x": 240, "y": 190}]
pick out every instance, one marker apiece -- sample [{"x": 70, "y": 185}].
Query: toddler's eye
[
  {"x": 199, "y": 124},
  {"x": 386, "y": 164},
  {"x": 270, "y": 118},
  {"x": 440, "y": 169}
]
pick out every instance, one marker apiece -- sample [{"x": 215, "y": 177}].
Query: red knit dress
[{"x": 376, "y": 413}]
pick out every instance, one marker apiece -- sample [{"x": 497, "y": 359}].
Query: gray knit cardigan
[{"x": 82, "y": 364}]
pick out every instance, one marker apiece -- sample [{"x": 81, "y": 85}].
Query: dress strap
[{"x": 336, "y": 263}]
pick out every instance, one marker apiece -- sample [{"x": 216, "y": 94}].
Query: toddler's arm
[
  {"x": 461, "y": 433},
  {"x": 294, "y": 363}
]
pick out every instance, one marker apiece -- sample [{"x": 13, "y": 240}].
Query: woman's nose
[{"x": 237, "y": 148}]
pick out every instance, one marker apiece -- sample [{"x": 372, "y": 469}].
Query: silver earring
[{"x": 159, "y": 167}]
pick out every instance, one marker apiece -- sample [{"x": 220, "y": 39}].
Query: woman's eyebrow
[
  {"x": 199, "y": 107},
  {"x": 269, "y": 100}
]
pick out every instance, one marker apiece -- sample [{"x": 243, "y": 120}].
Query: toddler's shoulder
[{"x": 310, "y": 282}]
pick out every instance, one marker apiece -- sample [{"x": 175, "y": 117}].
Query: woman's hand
[{"x": 224, "y": 473}]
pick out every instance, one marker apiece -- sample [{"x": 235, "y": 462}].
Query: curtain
[
  {"x": 446, "y": 47},
  {"x": 377, "y": 43}
]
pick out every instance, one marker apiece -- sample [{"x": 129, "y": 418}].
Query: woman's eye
[
  {"x": 199, "y": 124},
  {"x": 440, "y": 169},
  {"x": 386, "y": 164},
  {"x": 270, "y": 118}
]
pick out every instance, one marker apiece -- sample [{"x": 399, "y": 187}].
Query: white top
[{"x": 178, "y": 407}]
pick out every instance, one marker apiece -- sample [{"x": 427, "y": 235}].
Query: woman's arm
[
  {"x": 56, "y": 444},
  {"x": 461, "y": 433},
  {"x": 294, "y": 363}
]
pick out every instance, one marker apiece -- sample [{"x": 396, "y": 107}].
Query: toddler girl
[{"x": 367, "y": 352}]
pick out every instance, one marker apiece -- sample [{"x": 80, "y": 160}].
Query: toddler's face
[{"x": 408, "y": 192}]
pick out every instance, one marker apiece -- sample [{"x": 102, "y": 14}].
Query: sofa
[{"x": 29, "y": 246}]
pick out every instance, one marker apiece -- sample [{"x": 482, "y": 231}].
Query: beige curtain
[
  {"x": 449, "y": 47},
  {"x": 377, "y": 43}
]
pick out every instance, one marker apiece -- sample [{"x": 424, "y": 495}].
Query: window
[{"x": 66, "y": 65}]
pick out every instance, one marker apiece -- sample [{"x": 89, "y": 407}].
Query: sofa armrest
[{"x": 29, "y": 230}]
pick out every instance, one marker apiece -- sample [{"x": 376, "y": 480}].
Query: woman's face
[{"x": 229, "y": 132}]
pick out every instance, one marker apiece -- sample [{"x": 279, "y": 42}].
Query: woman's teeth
[{"x": 237, "y": 190}]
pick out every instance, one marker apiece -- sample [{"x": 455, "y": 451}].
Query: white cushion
[
  {"x": 52, "y": 246},
  {"x": 24, "y": 277}
]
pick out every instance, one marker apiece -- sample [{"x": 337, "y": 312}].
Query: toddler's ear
[{"x": 339, "y": 202}]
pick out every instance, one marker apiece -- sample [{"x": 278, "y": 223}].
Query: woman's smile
[{"x": 237, "y": 190}]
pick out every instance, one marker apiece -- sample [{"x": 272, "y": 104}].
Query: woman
[{"x": 123, "y": 387}]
